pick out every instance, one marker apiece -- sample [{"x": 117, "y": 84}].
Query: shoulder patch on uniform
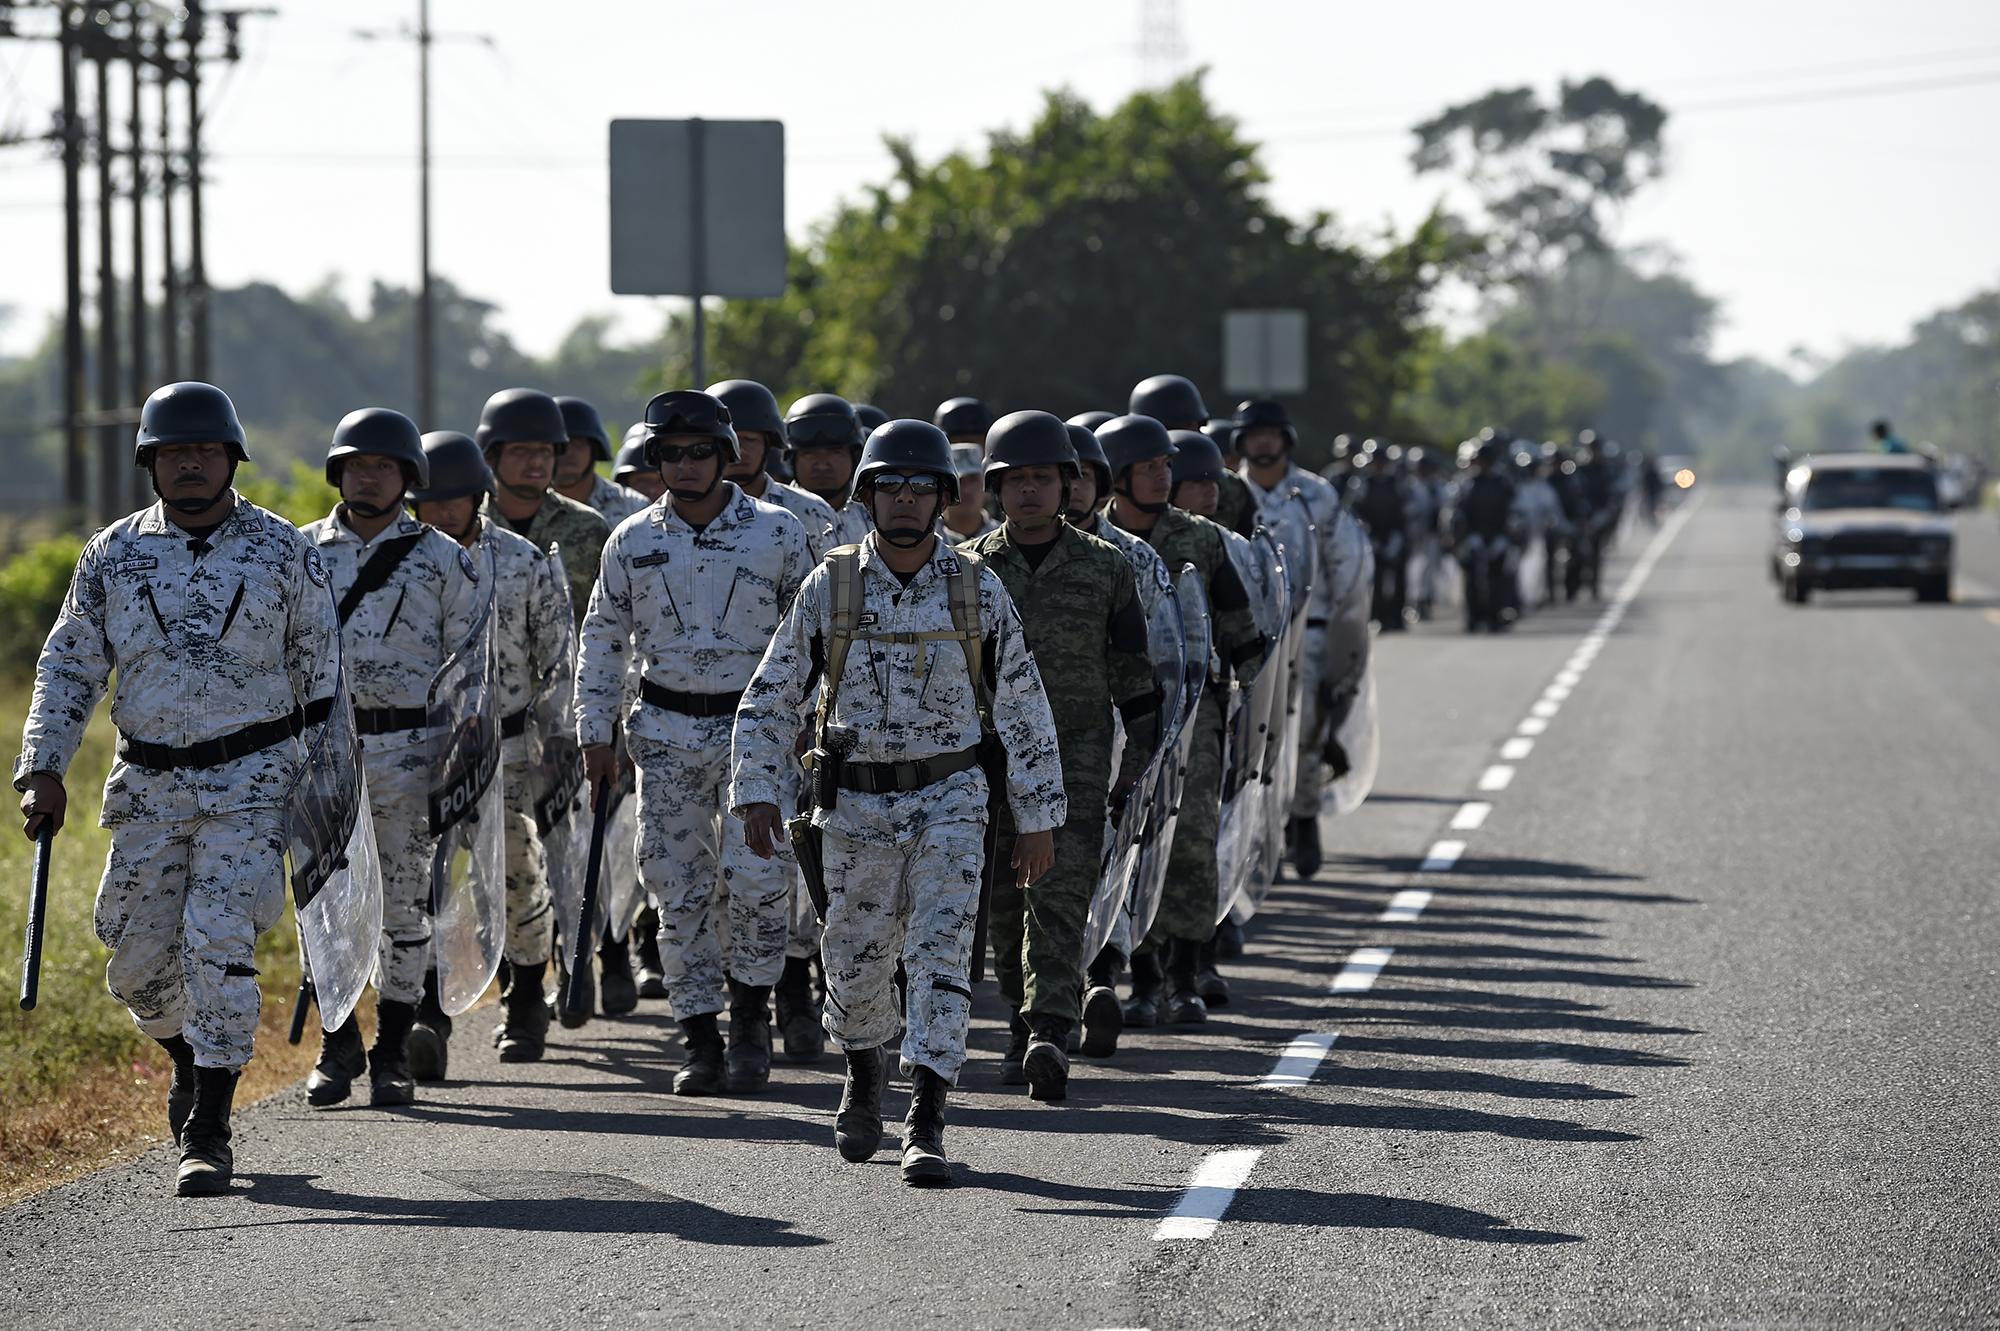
[
  {"x": 139, "y": 564},
  {"x": 948, "y": 566},
  {"x": 465, "y": 564},
  {"x": 649, "y": 561},
  {"x": 868, "y": 619},
  {"x": 315, "y": 567},
  {"x": 744, "y": 511},
  {"x": 404, "y": 526}
]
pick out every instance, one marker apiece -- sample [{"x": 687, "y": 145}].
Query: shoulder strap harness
[{"x": 844, "y": 573}]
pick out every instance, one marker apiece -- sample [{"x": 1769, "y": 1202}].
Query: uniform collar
[
  {"x": 335, "y": 532},
  {"x": 1285, "y": 482},
  {"x": 153, "y": 520},
  {"x": 944, "y": 562},
  {"x": 1065, "y": 546},
  {"x": 738, "y": 508}
]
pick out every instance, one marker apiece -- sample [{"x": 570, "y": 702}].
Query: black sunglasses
[
  {"x": 668, "y": 454},
  {"x": 893, "y": 483}
]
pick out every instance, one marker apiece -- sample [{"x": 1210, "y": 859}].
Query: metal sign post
[{"x": 1264, "y": 351}]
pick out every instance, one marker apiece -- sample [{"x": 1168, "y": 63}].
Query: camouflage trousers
[
  {"x": 530, "y": 938},
  {"x": 914, "y": 901},
  {"x": 180, "y": 907},
  {"x": 691, "y": 853},
  {"x": 399, "y": 804},
  {"x": 1037, "y": 932},
  {"x": 1312, "y": 774},
  {"x": 1187, "y": 903}
]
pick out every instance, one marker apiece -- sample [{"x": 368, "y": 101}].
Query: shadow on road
[
  {"x": 526, "y": 1201},
  {"x": 1360, "y": 1210}
]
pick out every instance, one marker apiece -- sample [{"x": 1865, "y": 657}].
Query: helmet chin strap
[
  {"x": 1143, "y": 507},
  {"x": 903, "y": 538},
  {"x": 696, "y": 496},
  {"x": 190, "y": 506},
  {"x": 370, "y": 511}
]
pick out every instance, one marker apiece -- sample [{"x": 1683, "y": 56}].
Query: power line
[{"x": 1854, "y": 92}]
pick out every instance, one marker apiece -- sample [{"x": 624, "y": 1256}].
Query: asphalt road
[{"x": 1694, "y": 1025}]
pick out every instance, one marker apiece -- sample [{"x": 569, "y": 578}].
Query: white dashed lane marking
[
  {"x": 1517, "y": 748},
  {"x": 1406, "y": 905},
  {"x": 1208, "y": 1195},
  {"x": 1496, "y": 777},
  {"x": 1363, "y": 965},
  {"x": 1295, "y": 1067},
  {"x": 1443, "y": 854},
  {"x": 1471, "y": 816}
]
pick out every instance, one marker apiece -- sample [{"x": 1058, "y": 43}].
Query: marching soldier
[
  {"x": 215, "y": 617},
  {"x": 967, "y": 520},
  {"x": 407, "y": 598},
  {"x": 532, "y": 634},
  {"x": 1080, "y": 613},
  {"x": 1266, "y": 440},
  {"x": 1139, "y": 452},
  {"x": 760, "y": 436},
  {"x": 1176, "y": 403},
  {"x": 576, "y": 474},
  {"x": 631, "y": 471},
  {"x": 825, "y": 436},
  {"x": 964, "y": 420},
  {"x": 696, "y": 587},
  {"x": 1197, "y": 473},
  {"x": 524, "y": 436},
  {"x": 930, "y": 694}
]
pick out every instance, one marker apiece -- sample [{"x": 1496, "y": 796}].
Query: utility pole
[
  {"x": 75, "y": 498},
  {"x": 425, "y": 38},
  {"x": 170, "y": 304},
  {"x": 192, "y": 29},
  {"x": 135, "y": 140},
  {"x": 109, "y": 491}
]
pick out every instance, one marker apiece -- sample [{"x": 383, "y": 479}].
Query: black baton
[
  {"x": 38, "y": 904},
  {"x": 575, "y": 996}
]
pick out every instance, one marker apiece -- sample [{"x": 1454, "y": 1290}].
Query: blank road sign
[
  {"x": 1264, "y": 351},
  {"x": 715, "y": 231}
]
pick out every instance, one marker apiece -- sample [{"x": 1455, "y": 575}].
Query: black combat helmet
[
  {"x": 457, "y": 468},
  {"x": 1259, "y": 413},
  {"x": 1030, "y": 439},
  {"x": 1090, "y": 453},
  {"x": 188, "y": 413},
  {"x": 631, "y": 455},
  {"x": 751, "y": 407},
  {"x": 963, "y": 417},
  {"x": 581, "y": 421},
  {"x": 1170, "y": 399},
  {"x": 1090, "y": 420},
  {"x": 379, "y": 432},
  {"x": 1196, "y": 457},
  {"x": 683, "y": 412},
  {"x": 870, "y": 416},
  {"x": 908, "y": 446},
  {"x": 521, "y": 416},
  {"x": 1132, "y": 439},
  {"x": 824, "y": 420}
]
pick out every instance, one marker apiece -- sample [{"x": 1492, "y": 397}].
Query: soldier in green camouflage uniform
[
  {"x": 1176, "y": 403},
  {"x": 521, "y": 431},
  {"x": 1137, "y": 450},
  {"x": 1080, "y": 613}
]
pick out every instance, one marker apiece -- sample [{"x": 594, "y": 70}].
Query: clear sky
[{"x": 1833, "y": 175}]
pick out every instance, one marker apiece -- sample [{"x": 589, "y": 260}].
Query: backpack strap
[
  {"x": 844, "y": 573},
  {"x": 381, "y": 566},
  {"x": 967, "y": 629}
]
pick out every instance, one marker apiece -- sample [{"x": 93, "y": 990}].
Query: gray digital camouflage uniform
[
  {"x": 903, "y": 867},
  {"x": 612, "y": 501},
  {"x": 1081, "y": 614},
  {"x": 392, "y": 647},
  {"x": 698, "y": 608},
  {"x": 203, "y": 645},
  {"x": 1187, "y": 904},
  {"x": 815, "y": 515},
  {"x": 1299, "y": 499},
  {"x": 532, "y": 633}
]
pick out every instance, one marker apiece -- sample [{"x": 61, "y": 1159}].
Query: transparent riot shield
[
  {"x": 1256, "y": 707},
  {"x": 467, "y": 816},
  {"x": 1281, "y": 758},
  {"x": 330, "y": 858},
  {"x": 1350, "y": 743},
  {"x": 1166, "y": 643},
  {"x": 1156, "y": 838}
]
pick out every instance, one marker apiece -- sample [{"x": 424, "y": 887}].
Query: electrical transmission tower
[{"x": 1162, "y": 49}]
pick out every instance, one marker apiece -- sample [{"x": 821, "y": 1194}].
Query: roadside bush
[{"x": 32, "y": 587}]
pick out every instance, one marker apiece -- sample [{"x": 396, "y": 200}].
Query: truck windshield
[{"x": 1867, "y": 487}]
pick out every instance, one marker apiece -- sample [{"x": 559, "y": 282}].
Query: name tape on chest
[
  {"x": 137, "y": 564},
  {"x": 653, "y": 560}
]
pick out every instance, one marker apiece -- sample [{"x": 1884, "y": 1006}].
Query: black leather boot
[
  {"x": 1047, "y": 1063},
  {"x": 341, "y": 1060},
  {"x": 207, "y": 1164},
  {"x": 430, "y": 1038},
  {"x": 180, "y": 1092},
  {"x": 799, "y": 1013},
  {"x": 1103, "y": 1019},
  {"x": 1143, "y": 1007},
  {"x": 924, "y": 1162},
  {"x": 1018, "y": 1033},
  {"x": 646, "y": 936},
  {"x": 1306, "y": 856},
  {"x": 617, "y": 991},
  {"x": 577, "y": 1017},
  {"x": 389, "y": 1080},
  {"x": 702, "y": 1072},
  {"x": 524, "y": 1029},
  {"x": 749, "y": 1054},
  {"x": 1183, "y": 1005},
  {"x": 1208, "y": 981},
  {"x": 857, "y": 1128}
]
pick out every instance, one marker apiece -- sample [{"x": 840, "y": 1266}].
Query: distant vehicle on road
[{"x": 1862, "y": 520}]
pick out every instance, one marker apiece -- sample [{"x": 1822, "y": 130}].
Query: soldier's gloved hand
[
  {"x": 43, "y": 804},
  {"x": 600, "y": 766},
  {"x": 761, "y": 829},
  {"x": 1121, "y": 790},
  {"x": 1034, "y": 856}
]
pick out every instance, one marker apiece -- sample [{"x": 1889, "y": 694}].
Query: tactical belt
[
  {"x": 514, "y": 723},
  {"x": 689, "y": 704},
  {"x": 224, "y": 748},
  {"x": 1316, "y": 623},
  {"x": 388, "y": 720},
  {"x": 882, "y": 778}
]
